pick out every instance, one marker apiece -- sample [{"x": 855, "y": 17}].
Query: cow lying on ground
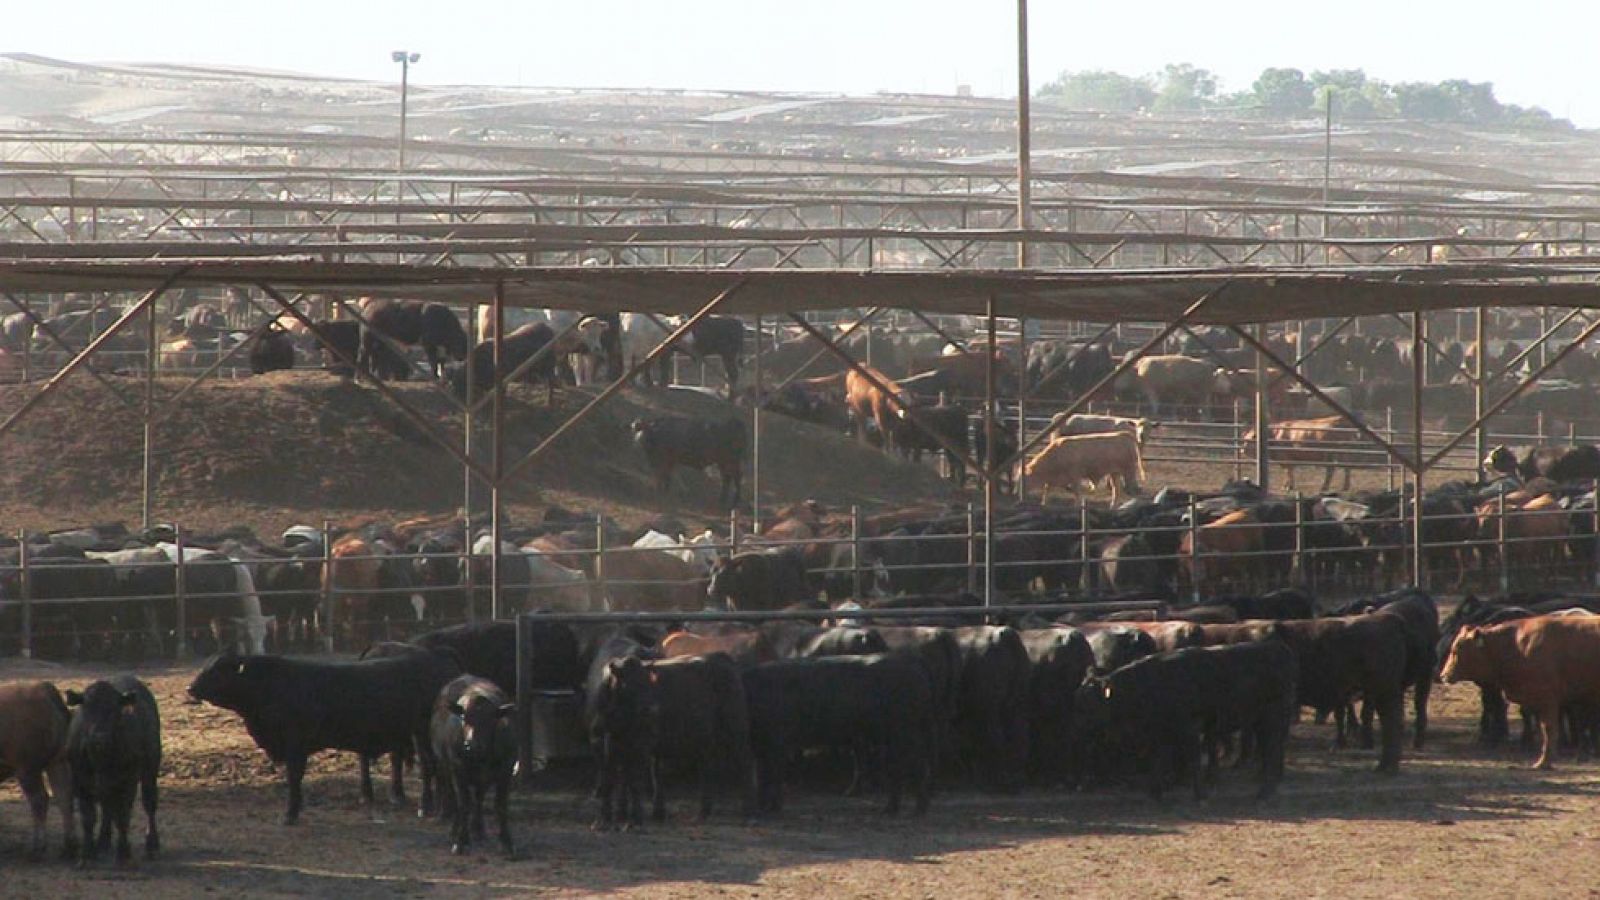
[
  {"x": 296, "y": 707},
  {"x": 114, "y": 748},
  {"x": 33, "y": 740},
  {"x": 1067, "y": 462}
]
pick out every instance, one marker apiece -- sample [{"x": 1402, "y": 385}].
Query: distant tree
[
  {"x": 1184, "y": 88},
  {"x": 1357, "y": 96},
  {"x": 1100, "y": 90},
  {"x": 1283, "y": 91}
]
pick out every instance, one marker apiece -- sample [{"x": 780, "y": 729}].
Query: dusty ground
[{"x": 1457, "y": 820}]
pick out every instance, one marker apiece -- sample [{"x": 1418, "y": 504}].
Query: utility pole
[{"x": 405, "y": 58}]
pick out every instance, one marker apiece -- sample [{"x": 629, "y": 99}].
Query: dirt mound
[{"x": 302, "y": 446}]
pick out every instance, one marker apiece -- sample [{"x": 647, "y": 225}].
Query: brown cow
[
  {"x": 33, "y": 742},
  {"x": 352, "y": 575},
  {"x": 1178, "y": 380},
  {"x": 1542, "y": 663},
  {"x": 652, "y": 581},
  {"x": 1324, "y": 442},
  {"x": 864, "y": 399},
  {"x": 1536, "y": 533},
  {"x": 746, "y": 647},
  {"x": 1171, "y": 636},
  {"x": 1067, "y": 462},
  {"x": 1226, "y": 550}
]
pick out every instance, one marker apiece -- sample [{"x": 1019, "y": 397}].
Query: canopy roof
[{"x": 1242, "y": 295}]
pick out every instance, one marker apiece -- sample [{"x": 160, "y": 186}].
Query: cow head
[
  {"x": 627, "y": 703},
  {"x": 100, "y": 720},
  {"x": 1502, "y": 461},
  {"x": 223, "y": 682},
  {"x": 1466, "y": 656},
  {"x": 484, "y": 725}
]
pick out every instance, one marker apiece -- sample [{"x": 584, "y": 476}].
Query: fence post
[
  {"x": 1194, "y": 551},
  {"x": 733, "y": 533},
  {"x": 1594, "y": 553},
  {"x": 27, "y": 595},
  {"x": 855, "y": 554},
  {"x": 469, "y": 577},
  {"x": 972, "y": 550},
  {"x": 1297, "y": 567},
  {"x": 1084, "y": 581},
  {"x": 180, "y": 596},
  {"x": 1500, "y": 544},
  {"x": 1388, "y": 435},
  {"x": 600, "y": 561},
  {"x": 1238, "y": 442},
  {"x": 328, "y": 588}
]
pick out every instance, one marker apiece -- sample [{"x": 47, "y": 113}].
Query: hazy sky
[{"x": 1538, "y": 52}]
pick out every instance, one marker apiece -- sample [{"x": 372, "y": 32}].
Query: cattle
[
  {"x": 1534, "y": 534},
  {"x": 271, "y": 350},
  {"x": 1284, "y": 603},
  {"x": 1420, "y": 614},
  {"x": 352, "y": 579},
  {"x": 293, "y": 708},
  {"x": 1084, "y": 423},
  {"x": 529, "y": 579},
  {"x": 489, "y": 650},
  {"x": 114, "y": 749},
  {"x": 765, "y": 579},
  {"x": 1239, "y": 633},
  {"x": 1344, "y": 657},
  {"x": 1165, "y": 706},
  {"x": 1059, "y": 658},
  {"x": 652, "y": 581},
  {"x": 881, "y": 704},
  {"x": 745, "y": 647},
  {"x": 993, "y": 703},
  {"x": 669, "y": 442},
  {"x": 719, "y": 336},
  {"x": 1127, "y": 565},
  {"x": 1115, "y": 646},
  {"x": 471, "y": 737},
  {"x": 1178, "y": 381},
  {"x": 414, "y": 322},
  {"x": 33, "y": 739},
  {"x": 1226, "y": 551},
  {"x": 868, "y": 403},
  {"x": 843, "y": 640},
  {"x": 517, "y": 350},
  {"x": 1559, "y": 464},
  {"x": 1067, "y": 462},
  {"x": 1541, "y": 662},
  {"x": 1324, "y": 442},
  {"x": 686, "y": 710}
]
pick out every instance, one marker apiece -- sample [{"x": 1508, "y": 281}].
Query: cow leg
[
  {"x": 1327, "y": 479},
  {"x": 295, "y": 767},
  {"x": 366, "y": 779},
  {"x": 87, "y": 811},
  {"x": 397, "y": 779},
  {"x": 605, "y": 789},
  {"x": 1419, "y": 704},
  {"x": 460, "y": 835},
  {"x": 1391, "y": 715},
  {"x": 1549, "y": 728},
  {"x": 148, "y": 795},
  {"x": 502, "y": 818},
  {"x": 1493, "y": 727},
  {"x": 730, "y": 367},
  {"x": 122, "y": 806},
  {"x": 478, "y": 792},
  {"x": 428, "y": 767}
]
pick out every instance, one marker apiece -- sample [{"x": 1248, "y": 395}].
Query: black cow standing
[
  {"x": 518, "y": 347},
  {"x": 472, "y": 739},
  {"x": 296, "y": 707},
  {"x": 760, "y": 579},
  {"x": 114, "y": 749},
  {"x": 670, "y": 442},
  {"x": 719, "y": 336},
  {"x": 412, "y": 322},
  {"x": 271, "y": 351}
]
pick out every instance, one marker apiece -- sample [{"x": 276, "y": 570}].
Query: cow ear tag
[
  {"x": 655, "y": 678},
  {"x": 1108, "y": 692}
]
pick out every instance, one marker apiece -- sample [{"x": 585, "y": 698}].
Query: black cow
[
  {"x": 471, "y": 737},
  {"x": 519, "y": 346},
  {"x": 296, "y": 707},
  {"x": 1115, "y": 647},
  {"x": 941, "y": 658},
  {"x": 992, "y": 715},
  {"x": 669, "y": 442},
  {"x": 1342, "y": 658},
  {"x": 1284, "y": 603},
  {"x": 760, "y": 580},
  {"x": 1579, "y": 462},
  {"x": 412, "y": 322},
  {"x": 271, "y": 351},
  {"x": 1167, "y": 707},
  {"x": 1059, "y": 660},
  {"x": 489, "y": 650},
  {"x": 881, "y": 704},
  {"x": 843, "y": 641},
  {"x": 114, "y": 749},
  {"x": 1420, "y": 614},
  {"x": 719, "y": 336},
  {"x": 344, "y": 336},
  {"x": 621, "y": 726}
]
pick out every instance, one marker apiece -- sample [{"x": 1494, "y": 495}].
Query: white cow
[{"x": 249, "y": 618}]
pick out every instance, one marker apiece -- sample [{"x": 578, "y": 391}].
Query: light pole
[{"x": 405, "y": 58}]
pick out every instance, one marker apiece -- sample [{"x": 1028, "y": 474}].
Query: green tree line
[{"x": 1286, "y": 93}]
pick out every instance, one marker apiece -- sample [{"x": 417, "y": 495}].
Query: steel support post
[
  {"x": 990, "y": 436},
  {"x": 1419, "y": 324},
  {"x": 147, "y": 473},
  {"x": 1263, "y": 420},
  {"x": 1022, "y": 398},
  {"x": 755, "y": 427},
  {"x": 496, "y": 449},
  {"x": 1480, "y": 387}
]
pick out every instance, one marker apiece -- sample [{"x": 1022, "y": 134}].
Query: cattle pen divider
[{"x": 526, "y": 623}]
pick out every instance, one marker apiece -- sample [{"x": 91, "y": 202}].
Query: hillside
[{"x": 303, "y": 446}]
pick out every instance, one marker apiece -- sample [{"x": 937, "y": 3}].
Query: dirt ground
[{"x": 1456, "y": 820}]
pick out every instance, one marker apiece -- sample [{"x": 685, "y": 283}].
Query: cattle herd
[{"x": 998, "y": 700}]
